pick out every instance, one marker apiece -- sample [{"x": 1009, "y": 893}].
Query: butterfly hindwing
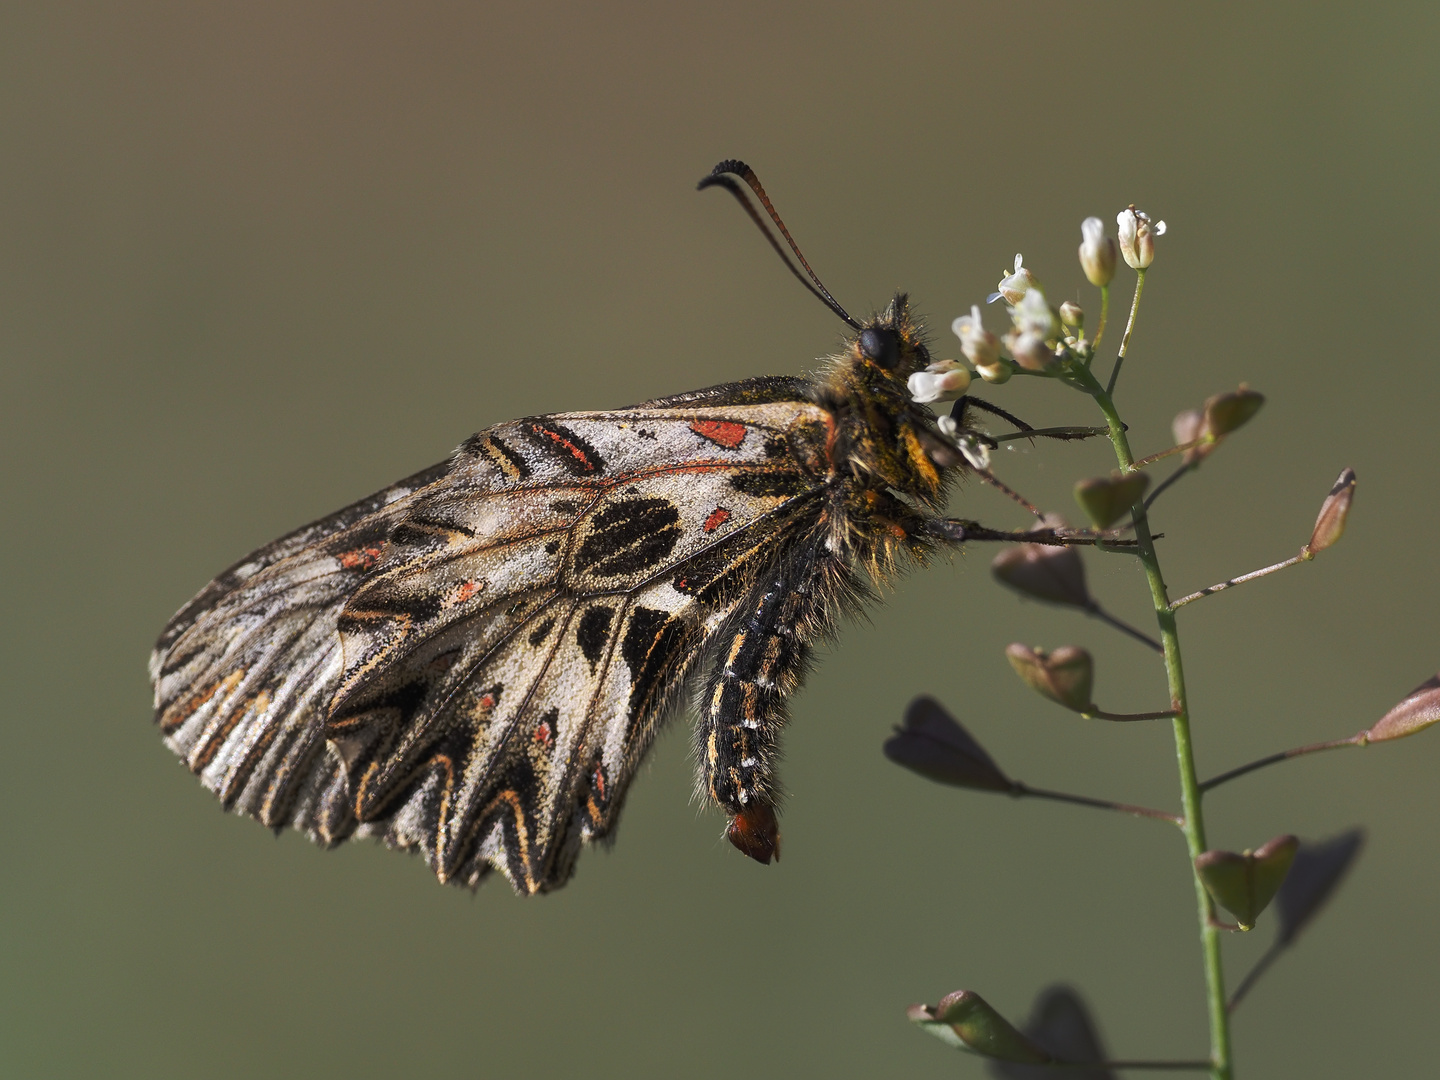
[
  {"x": 509, "y": 659},
  {"x": 244, "y": 673}
]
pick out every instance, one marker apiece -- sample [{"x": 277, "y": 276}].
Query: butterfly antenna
[{"x": 723, "y": 176}]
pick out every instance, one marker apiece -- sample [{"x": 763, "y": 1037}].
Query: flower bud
[
  {"x": 944, "y": 380},
  {"x": 1029, "y": 350},
  {"x": 1333, "y": 513},
  {"x": 1065, "y": 676},
  {"x": 995, "y": 373},
  {"x": 1034, "y": 315},
  {"x": 1097, "y": 252},
  {"x": 980, "y": 347},
  {"x": 1072, "y": 315},
  {"x": 1015, "y": 285},
  {"x": 1137, "y": 236}
]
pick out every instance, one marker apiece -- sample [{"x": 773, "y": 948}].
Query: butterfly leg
[
  {"x": 958, "y": 531},
  {"x": 744, "y": 706}
]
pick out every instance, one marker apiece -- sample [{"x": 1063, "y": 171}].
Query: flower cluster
[{"x": 1042, "y": 340}]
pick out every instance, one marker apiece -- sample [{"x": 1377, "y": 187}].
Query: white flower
[
  {"x": 1137, "y": 237},
  {"x": 1032, "y": 315},
  {"x": 980, "y": 347},
  {"x": 1030, "y": 350},
  {"x": 1097, "y": 252},
  {"x": 1014, "y": 285},
  {"x": 974, "y": 451},
  {"x": 944, "y": 380}
]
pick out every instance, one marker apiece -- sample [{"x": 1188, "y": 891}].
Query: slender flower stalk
[
  {"x": 1129, "y": 328},
  {"x": 1021, "y": 790},
  {"x": 1304, "y": 556},
  {"x": 1283, "y": 755},
  {"x": 1104, "y": 315}
]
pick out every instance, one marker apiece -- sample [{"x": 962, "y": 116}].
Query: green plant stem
[
  {"x": 1104, "y": 315},
  {"x": 1125, "y": 343},
  {"x": 1221, "y": 1067}
]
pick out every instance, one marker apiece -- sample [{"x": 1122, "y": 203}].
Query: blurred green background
[{"x": 259, "y": 260}]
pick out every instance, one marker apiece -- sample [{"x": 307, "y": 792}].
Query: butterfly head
[
  {"x": 891, "y": 344},
  {"x": 889, "y": 440}
]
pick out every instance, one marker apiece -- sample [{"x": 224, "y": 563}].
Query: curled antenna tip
[
  {"x": 721, "y": 176},
  {"x": 729, "y": 165}
]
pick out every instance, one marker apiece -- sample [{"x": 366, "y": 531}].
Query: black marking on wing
[
  {"x": 512, "y": 456},
  {"x": 761, "y": 390},
  {"x": 594, "y": 632},
  {"x": 629, "y": 537},
  {"x": 771, "y": 484},
  {"x": 562, "y": 445},
  {"x": 650, "y": 649},
  {"x": 720, "y": 571}
]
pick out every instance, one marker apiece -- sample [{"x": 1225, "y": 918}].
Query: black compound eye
[{"x": 881, "y": 346}]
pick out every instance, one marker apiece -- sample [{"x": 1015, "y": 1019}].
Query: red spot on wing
[
  {"x": 487, "y": 702},
  {"x": 543, "y": 735},
  {"x": 724, "y": 433},
  {"x": 565, "y": 444},
  {"x": 717, "y": 517},
  {"x": 460, "y": 593},
  {"x": 597, "y": 780},
  {"x": 360, "y": 558}
]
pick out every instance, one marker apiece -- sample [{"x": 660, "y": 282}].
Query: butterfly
[{"x": 472, "y": 662}]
